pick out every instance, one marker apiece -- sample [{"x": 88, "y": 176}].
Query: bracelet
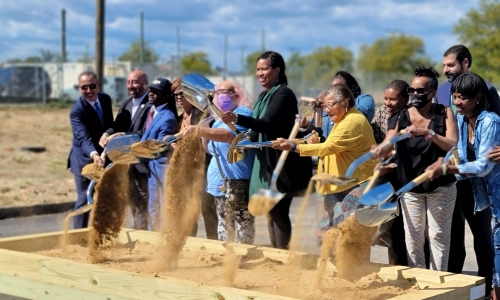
[
  {"x": 294, "y": 147},
  {"x": 445, "y": 168},
  {"x": 236, "y": 121}
]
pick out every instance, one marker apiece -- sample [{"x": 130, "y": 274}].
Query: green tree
[
  {"x": 49, "y": 56},
  {"x": 14, "y": 61},
  {"x": 479, "y": 30},
  {"x": 196, "y": 62},
  {"x": 251, "y": 61},
  {"x": 294, "y": 72},
  {"x": 132, "y": 54},
  {"x": 395, "y": 55},
  {"x": 321, "y": 65},
  {"x": 33, "y": 59}
]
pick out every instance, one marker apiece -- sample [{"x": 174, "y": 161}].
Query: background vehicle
[{"x": 24, "y": 82}]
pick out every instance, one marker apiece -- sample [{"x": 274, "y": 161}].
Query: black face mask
[{"x": 418, "y": 100}]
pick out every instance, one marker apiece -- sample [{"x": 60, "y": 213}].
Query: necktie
[
  {"x": 150, "y": 117},
  {"x": 99, "y": 112}
]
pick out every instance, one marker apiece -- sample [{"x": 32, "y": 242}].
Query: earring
[{"x": 345, "y": 108}]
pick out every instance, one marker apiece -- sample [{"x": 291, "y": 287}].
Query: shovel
[
  {"x": 246, "y": 144},
  {"x": 369, "y": 155},
  {"x": 94, "y": 171},
  {"x": 264, "y": 200},
  {"x": 381, "y": 203},
  {"x": 118, "y": 149},
  {"x": 150, "y": 148},
  {"x": 376, "y": 173}
]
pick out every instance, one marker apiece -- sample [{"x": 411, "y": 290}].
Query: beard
[{"x": 451, "y": 76}]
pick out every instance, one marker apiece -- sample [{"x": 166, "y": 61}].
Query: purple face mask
[{"x": 225, "y": 102}]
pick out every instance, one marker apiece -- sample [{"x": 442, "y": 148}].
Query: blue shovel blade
[
  {"x": 389, "y": 205},
  {"x": 377, "y": 195}
]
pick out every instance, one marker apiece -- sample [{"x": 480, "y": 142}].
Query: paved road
[{"x": 306, "y": 241}]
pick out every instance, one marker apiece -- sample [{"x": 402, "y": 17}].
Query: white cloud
[{"x": 290, "y": 24}]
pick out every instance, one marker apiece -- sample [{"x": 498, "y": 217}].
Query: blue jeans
[
  {"x": 156, "y": 179},
  {"x": 496, "y": 246}
]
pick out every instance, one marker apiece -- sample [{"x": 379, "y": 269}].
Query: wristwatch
[
  {"x": 430, "y": 134},
  {"x": 294, "y": 147}
]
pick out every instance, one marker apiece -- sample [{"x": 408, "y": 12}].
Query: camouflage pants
[{"x": 233, "y": 216}]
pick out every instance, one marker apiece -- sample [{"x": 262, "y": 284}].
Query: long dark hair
[
  {"x": 470, "y": 85},
  {"x": 351, "y": 83},
  {"x": 277, "y": 61}
]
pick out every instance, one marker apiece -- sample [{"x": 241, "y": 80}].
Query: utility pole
[
  {"x": 141, "y": 39},
  {"x": 224, "y": 74},
  {"x": 63, "y": 35},
  {"x": 263, "y": 40},
  {"x": 60, "y": 78},
  {"x": 177, "y": 61},
  {"x": 99, "y": 41},
  {"x": 243, "y": 71}
]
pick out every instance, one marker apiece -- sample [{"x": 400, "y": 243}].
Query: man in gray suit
[{"x": 131, "y": 117}]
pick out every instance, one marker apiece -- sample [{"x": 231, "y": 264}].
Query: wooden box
[{"x": 33, "y": 276}]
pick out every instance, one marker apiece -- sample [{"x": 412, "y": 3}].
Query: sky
[{"x": 290, "y": 25}]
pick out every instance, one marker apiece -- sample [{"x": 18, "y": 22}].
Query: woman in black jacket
[{"x": 273, "y": 117}]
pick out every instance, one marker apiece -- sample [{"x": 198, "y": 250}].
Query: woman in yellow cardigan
[{"x": 351, "y": 137}]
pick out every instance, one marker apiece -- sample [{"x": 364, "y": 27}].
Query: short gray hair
[{"x": 340, "y": 92}]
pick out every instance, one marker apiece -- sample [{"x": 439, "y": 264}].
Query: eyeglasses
[
  {"x": 90, "y": 86},
  {"x": 225, "y": 92},
  {"x": 325, "y": 106},
  {"x": 179, "y": 94},
  {"x": 420, "y": 91}
]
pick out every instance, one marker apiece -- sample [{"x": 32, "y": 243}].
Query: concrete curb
[{"x": 38, "y": 209}]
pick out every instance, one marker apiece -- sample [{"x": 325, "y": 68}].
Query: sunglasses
[
  {"x": 420, "y": 91},
  {"x": 179, "y": 94},
  {"x": 90, "y": 86}
]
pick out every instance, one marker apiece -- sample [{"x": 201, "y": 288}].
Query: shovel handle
[
  {"x": 414, "y": 183},
  {"x": 283, "y": 156},
  {"x": 219, "y": 113},
  {"x": 308, "y": 99},
  {"x": 456, "y": 159},
  {"x": 372, "y": 181},
  {"x": 103, "y": 154}
]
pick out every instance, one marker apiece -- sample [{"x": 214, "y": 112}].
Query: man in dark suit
[
  {"x": 90, "y": 116},
  {"x": 457, "y": 60},
  {"x": 161, "y": 121},
  {"x": 131, "y": 118}
]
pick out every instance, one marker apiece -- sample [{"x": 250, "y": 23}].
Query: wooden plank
[
  {"x": 34, "y": 289},
  {"x": 63, "y": 272},
  {"x": 42, "y": 241},
  {"x": 452, "y": 290},
  {"x": 92, "y": 278}
]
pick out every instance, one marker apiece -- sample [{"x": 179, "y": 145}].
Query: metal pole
[
  {"x": 60, "y": 74},
  {"x": 224, "y": 74},
  {"x": 177, "y": 61},
  {"x": 63, "y": 35},
  {"x": 99, "y": 41},
  {"x": 141, "y": 39},
  {"x": 263, "y": 40},
  {"x": 243, "y": 71}
]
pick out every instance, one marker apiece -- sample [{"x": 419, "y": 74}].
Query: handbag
[{"x": 234, "y": 189}]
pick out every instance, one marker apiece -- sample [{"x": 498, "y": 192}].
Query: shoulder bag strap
[{"x": 224, "y": 178}]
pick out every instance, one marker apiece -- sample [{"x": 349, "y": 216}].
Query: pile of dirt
[
  {"x": 254, "y": 273},
  {"x": 108, "y": 214},
  {"x": 349, "y": 243},
  {"x": 184, "y": 184}
]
